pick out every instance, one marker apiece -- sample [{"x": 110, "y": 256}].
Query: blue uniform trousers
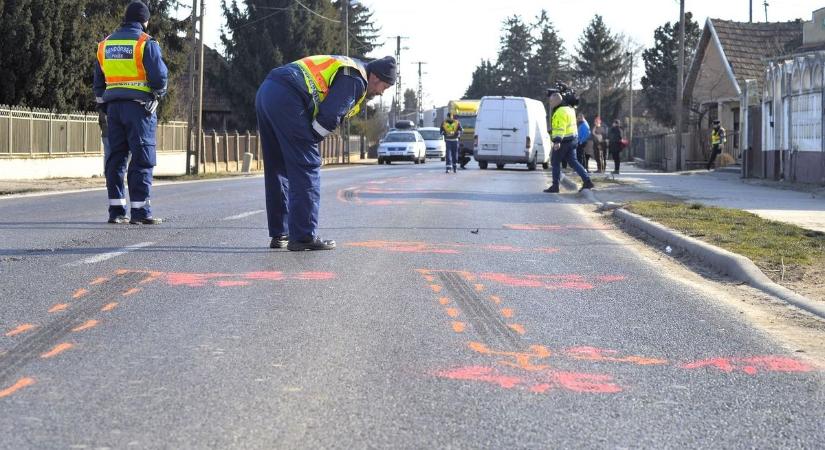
[
  {"x": 131, "y": 131},
  {"x": 292, "y": 161},
  {"x": 566, "y": 152},
  {"x": 452, "y": 153}
]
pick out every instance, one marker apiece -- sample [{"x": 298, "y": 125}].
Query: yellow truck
[{"x": 465, "y": 111}]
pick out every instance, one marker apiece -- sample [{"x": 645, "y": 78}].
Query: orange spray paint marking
[
  {"x": 59, "y": 307},
  {"x": 598, "y": 354},
  {"x": 507, "y": 312},
  {"x": 152, "y": 277},
  {"x": 97, "y": 281},
  {"x": 109, "y": 307},
  {"x": 21, "y": 383},
  {"x": 584, "y": 382},
  {"x": 485, "y": 374},
  {"x": 59, "y": 348},
  {"x": 452, "y": 312},
  {"x": 20, "y": 329},
  {"x": 80, "y": 293},
  {"x": 436, "y": 288},
  {"x": 132, "y": 291},
  {"x": 122, "y": 271},
  {"x": 230, "y": 283},
  {"x": 522, "y": 360},
  {"x": 518, "y": 328},
  {"x": 479, "y": 287},
  {"x": 423, "y": 271},
  {"x": 89, "y": 324},
  {"x": 459, "y": 327},
  {"x": 751, "y": 365},
  {"x": 443, "y": 300},
  {"x": 429, "y": 278},
  {"x": 496, "y": 299}
]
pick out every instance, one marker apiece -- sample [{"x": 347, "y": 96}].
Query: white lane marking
[
  {"x": 110, "y": 255},
  {"x": 246, "y": 214}
]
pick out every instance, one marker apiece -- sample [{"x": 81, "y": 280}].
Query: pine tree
[
  {"x": 514, "y": 56},
  {"x": 659, "y": 82},
  {"x": 363, "y": 34},
  {"x": 600, "y": 57},
  {"x": 485, "y": 81},
  {"x": 410, "y": 101},
  {"x": 547, "y": 64}
]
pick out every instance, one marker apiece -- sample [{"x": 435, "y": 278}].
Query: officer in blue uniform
[
  {"x": 129, "y": 79},
  {"x": 297, "y": 105}
]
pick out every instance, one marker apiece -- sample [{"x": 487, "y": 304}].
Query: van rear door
[
  {"x": 514, "y": 127},
  {"x": 488, "y": 126}
]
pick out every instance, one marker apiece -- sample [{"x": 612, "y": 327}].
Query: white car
[
  {"x": 436, "y": 147},
  {"x": 402, "y": 145}
]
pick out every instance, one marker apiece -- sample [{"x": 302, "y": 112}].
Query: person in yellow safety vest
[
  {"x": 717, "y": 140},
  {"x": 451, "y": 130},
  {"x": 297, "y": 106},
  {"x": 129, "y": 79},
  {"x": 564, "y": 134}
]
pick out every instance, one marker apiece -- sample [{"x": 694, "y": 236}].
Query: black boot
[
  {"x": 310, "y": 244},
  {"x": 279, "y": 241},
  {"x": 553, "y": 189},
  {"x": 588, "y": 184}
]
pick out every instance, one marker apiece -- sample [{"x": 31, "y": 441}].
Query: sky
[{"x": 453, "y": 36}]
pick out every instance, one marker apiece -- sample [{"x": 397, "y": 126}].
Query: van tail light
[
  {"x": 475, "y": 141},
  {"x": 529, "y": 144}
]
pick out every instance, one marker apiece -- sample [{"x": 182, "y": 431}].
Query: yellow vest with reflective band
[
  {"x": 717, "y": 137},
  {"x": 121, "y": 61},
  {"x": 450, "y": 129},
  {"x": 319, "y": 73},
  {"x": 564, "y": 123}
]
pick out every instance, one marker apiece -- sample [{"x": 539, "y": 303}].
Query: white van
[{"x": 512, "y": 130}]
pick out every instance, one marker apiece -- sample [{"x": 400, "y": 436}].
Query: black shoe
[
  {"x": 146, "y": 221},
  {"x": 553, "y": 189},
  {"x": 118, "y": 219},
  {"x": 587, "y": 185},
  {"x": 453, "y": 169},
  {"x": 279, "y": 241},
  {"x": 448, "y": 171},
  {"x": 313, "y": 244}
]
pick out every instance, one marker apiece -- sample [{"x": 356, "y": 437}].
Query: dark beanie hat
[
  {"x": 383, "y": 68},
  {"x": 137, "y": 11}
]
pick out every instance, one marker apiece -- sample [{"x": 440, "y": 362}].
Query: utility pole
[
  {"x": 680, "y": 81},
  {"x": 200, "y": 92},
  {"x": 191, "y": 93},
  {"x": 750, "y": 16},
  {"x": 195, "y": 91},
  {"x": 599, "y": 90},
  {"x": 766, "y": 10},
  {"x": 346, "y": 53},
  {"x": 630, "y": 134},
  {"x": 419, "y": 119},
  {"x": 398, "y": 90}
]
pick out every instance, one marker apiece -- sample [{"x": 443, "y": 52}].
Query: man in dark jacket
[
  {"x": 615, "y": 145},
  {"x": 129, "y": 78}
]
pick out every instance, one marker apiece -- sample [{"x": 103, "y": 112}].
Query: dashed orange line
[
  {"x": 80, "y": 293},
  {"x": 20, "y": 329},
  {"x": 495, "y": 299},
  {"x": 458, "y": 327},
  {"x": 516, "y": 327},
  {"x": 109, "y": 307},
  {"x": 21, "y": 383},
  {"x": 132, "y": 291},
  {"x": 89, "y": 324},
  {"x": 59, "y": 348},
  {"x": 436, "y": 288},
  {"x": 507, "y": 312},
  {"x": 443, "y": 300},
  {"x": 100, "y": 280},
  {"x": 452, "y": 312},
  {"x": 59, "y": 307},
  {"x": 479, "y": 287}
]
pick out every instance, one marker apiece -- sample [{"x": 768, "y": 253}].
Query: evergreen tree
[
  {"x": 659, "y": 82},
  {"x": 600, "y": 57},
  {"x": 514, "y": 56},
  {"x": 546, "y": 65},
  {"x": 486, "y": 81},
  {"x": 410, "y": 101},
  {"x": 363, "y": 34}
]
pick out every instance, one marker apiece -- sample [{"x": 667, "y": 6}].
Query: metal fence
[
  {"x": 657, "y": 149},
  {"x": 37, "y": 132}
]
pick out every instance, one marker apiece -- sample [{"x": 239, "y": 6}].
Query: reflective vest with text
[
  {"x": 121, "y": 61},
  {"x": 319, "y": 73}
]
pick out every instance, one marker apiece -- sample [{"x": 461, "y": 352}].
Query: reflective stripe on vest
[
  {"x": 716, "y": 137},
  {"x": 450, "y": 129},
  {"x": 564, "y": 123},
  {"x": 121, "y": 61},
  {"x": 319, "y": 73}
]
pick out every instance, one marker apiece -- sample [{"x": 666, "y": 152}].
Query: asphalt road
[{"x": 466, "y": 310}]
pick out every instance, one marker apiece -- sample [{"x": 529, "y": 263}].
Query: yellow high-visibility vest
[
  {"x": 717, "y": 137},
  {"x": 450, "y": 129},
  {"x": 121, "y": 61},
  {"x": 564, "y": 123},
  {"x": 319, "y": 73}
]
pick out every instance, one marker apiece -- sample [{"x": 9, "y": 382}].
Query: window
[
  {"x": 430, "y": 135},
  {"x": 400, "y": 137}
]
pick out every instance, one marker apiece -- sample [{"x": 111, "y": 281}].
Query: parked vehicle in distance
[
  {"x": 402, "y": 145},
  {"x": 434, "y": 141},
  {"x": 512, "y": 130},
  {"x": 404, "y": 125}
]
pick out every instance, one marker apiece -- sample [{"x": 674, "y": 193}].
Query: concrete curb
[{"x": 734, "y": 266}]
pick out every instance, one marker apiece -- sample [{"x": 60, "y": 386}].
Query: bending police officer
[
  {"x": 129, "y": 78},
  {"x": 451, "y": 130},
  {"x": 298, "y": 105},
  {"x": 564, "y": 135}
]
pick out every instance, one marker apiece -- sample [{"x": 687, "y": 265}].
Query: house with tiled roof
[
  {"x": 728, "y": 55},
  {"x": 793, "y": 123}
]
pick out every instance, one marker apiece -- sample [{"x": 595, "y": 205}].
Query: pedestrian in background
[
  {"x": 565, "y": 140},
  {"x": 451, "y": 130},
  {"x": 717, "y": 140},
  {"x": 599, "y": 144},
  {"x": 615, "y": 144},
  {"x": 297, "y": 106},
  {"x": 584, "y": 141},
  {"x": 129, "y": 79}
]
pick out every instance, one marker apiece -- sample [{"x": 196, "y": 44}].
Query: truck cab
[{"x": 465, "y": 111}]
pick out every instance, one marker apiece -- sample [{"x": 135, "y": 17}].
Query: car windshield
[
  {"x": 430, "y": 135},
  {"x": 467, "y": 121},
  {"x": 400, "y": 137}
]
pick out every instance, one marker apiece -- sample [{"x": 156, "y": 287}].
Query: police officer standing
[
  {"x": 129, "y": 79},
  {"x": 717, "y": 140},
  {"x": 298, "y": 105},
  {"x": 451, "y": 130},
  {"x": 564, "y": 135}
]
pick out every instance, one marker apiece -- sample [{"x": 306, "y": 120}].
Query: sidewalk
[{"x": 801, "y": 205}]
